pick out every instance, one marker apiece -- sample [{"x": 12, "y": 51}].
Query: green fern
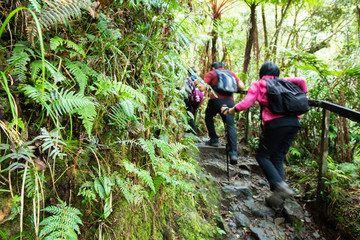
[
  {"x": 148, "y": 147},
  {"x": 30, "y": 182},
  {"x": 63, "y": 224},
  {"x": 57, "y": 42},
  {"x": 31, "y": 179},
  {"x": 66, "y": 101},
  {"x": 63, "y": 102},
  {"x": 122, "y": 113},
  {"x": 52, "y": 142},
  {"x": 88, "y": 115},
  {"x": 36, "y": 68},
  {"x": 22, "y": 152},
  {"x": 131, "y": 92},
  {"x": 20, "y": 58},
  {"x": 141, "y": 173},
  {"x": 58, "y": 11},
  {"x": 34, "y": 5},
  {"x": 134, "y": 194},
  {"x": 78, "y": 74}
]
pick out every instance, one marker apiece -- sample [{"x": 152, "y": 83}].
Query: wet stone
[
  {"x": 244, "y": 173},
  {"x": 240, "y": 192},
  {"x": 293, "y": 210},
  {"x": 266, "y": 230},
  {"x": 241, "y": 220},
  {"x": 262, "y": 183},
  {"x": 260, "y": 210},
  {"x": 215, "y": 169}
]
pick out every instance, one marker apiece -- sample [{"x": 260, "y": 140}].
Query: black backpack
[
  {"x": 227, "y": 84},
  {"x": 286, "y": 98}
]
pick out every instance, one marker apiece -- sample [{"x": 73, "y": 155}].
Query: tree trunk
[
  {"x": 250, "y": 40},
  {"x": 358, "y": 19},
  {"x": 214, "y": 51},
  {"x": 277, "y": 31},
  {"x": 266, "y": 43},
  {"x": 256, "y": 45}
]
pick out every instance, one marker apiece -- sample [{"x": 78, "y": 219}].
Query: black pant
[
  {"x": 273, "y": 146},
  {"x": 193, "y": 110},
  {"x": 213, "y": 108}
]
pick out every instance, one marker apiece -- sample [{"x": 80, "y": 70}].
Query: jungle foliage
[{"x": 93, "y": 119}]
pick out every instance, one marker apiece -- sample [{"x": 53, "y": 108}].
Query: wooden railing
[{"x": 327, "y": 108}]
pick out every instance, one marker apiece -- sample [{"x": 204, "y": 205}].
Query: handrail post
[
  {"x": 323, "y": 157},
  {"x": 247, "y": 125}
]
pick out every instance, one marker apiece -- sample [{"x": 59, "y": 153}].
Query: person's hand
[
  {"x": 202, "y": 87},
  {"x": 224, "y": 110}
]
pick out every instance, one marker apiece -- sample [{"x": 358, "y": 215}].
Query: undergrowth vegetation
[{"x": 93, "y": 120}]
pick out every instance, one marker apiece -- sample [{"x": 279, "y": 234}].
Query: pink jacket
[{"x": 257, "y": 92}]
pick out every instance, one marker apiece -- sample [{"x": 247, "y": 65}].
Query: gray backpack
[{"x": 227, "y": 84}]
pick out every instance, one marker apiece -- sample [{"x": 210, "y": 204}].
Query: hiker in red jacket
[
  {"x": 278, "y": 133},
  {"x": 213, "y": 108}
]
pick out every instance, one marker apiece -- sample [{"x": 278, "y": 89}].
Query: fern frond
[
  {"x": 37, "y": 95},
  {"x": 66, "y": 101},
  {"x": 122, "y": 113},
  {"x": 52, "y": 141},
  {"x": 118, "y": 117},
  {"x": 87, "y": 191},
  {"x": 22, "y": 152},
  {"x": 57, "y": 42},
  {"x": 63, "y": 224},
  {"x": 58, "y": 11},
  {"x": 148, "y": 147},
  {"x": 30, "y": 184},
  {"x": 141, "y": 173},
  {"x": 134, "y": 194},
  {"x": 78, "y": 74},
  {"x": 35, "y": 5},
  {"x": 88, "y": 115},
  {"x": 126, "y": 89},
  {"x": 63, "y": 102},
  {"x": 20, "y": 58},
  {"x": 36, "y": 67}
]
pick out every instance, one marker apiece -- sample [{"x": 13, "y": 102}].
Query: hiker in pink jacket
[{"x": 278, "y": 133}]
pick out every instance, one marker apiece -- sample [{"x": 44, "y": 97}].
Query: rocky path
[{"x": 243, "y": 208}]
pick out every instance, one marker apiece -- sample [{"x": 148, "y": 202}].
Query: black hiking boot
[
  {"x": 275, "y": 201},
  {"x": 233, "y": 157},
  {"x": 212, "y": 142},
  {"x": 283, "y": 190}
]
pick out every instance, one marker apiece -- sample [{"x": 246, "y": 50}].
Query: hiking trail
[{"x": 243, "y": 208}]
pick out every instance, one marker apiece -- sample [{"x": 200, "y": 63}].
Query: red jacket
[{"x": 212, "y": 79}]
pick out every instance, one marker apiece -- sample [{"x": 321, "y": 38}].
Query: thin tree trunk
[
  {"x": 358, "y": 19},
  {"x": 278, "y": 27},
  {"x": 256, "y": 45},
  {"x": 214, "y": 51},
  {"x": 266, "y": 43},
  {"x": 250, "y": 40}
]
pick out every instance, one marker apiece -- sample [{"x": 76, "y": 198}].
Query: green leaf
[{"x": 127, "y": 107}]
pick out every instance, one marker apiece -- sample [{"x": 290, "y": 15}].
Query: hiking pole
[
  {"x": 227, "y": 153},
  {"x": 227, "y": 148}
]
